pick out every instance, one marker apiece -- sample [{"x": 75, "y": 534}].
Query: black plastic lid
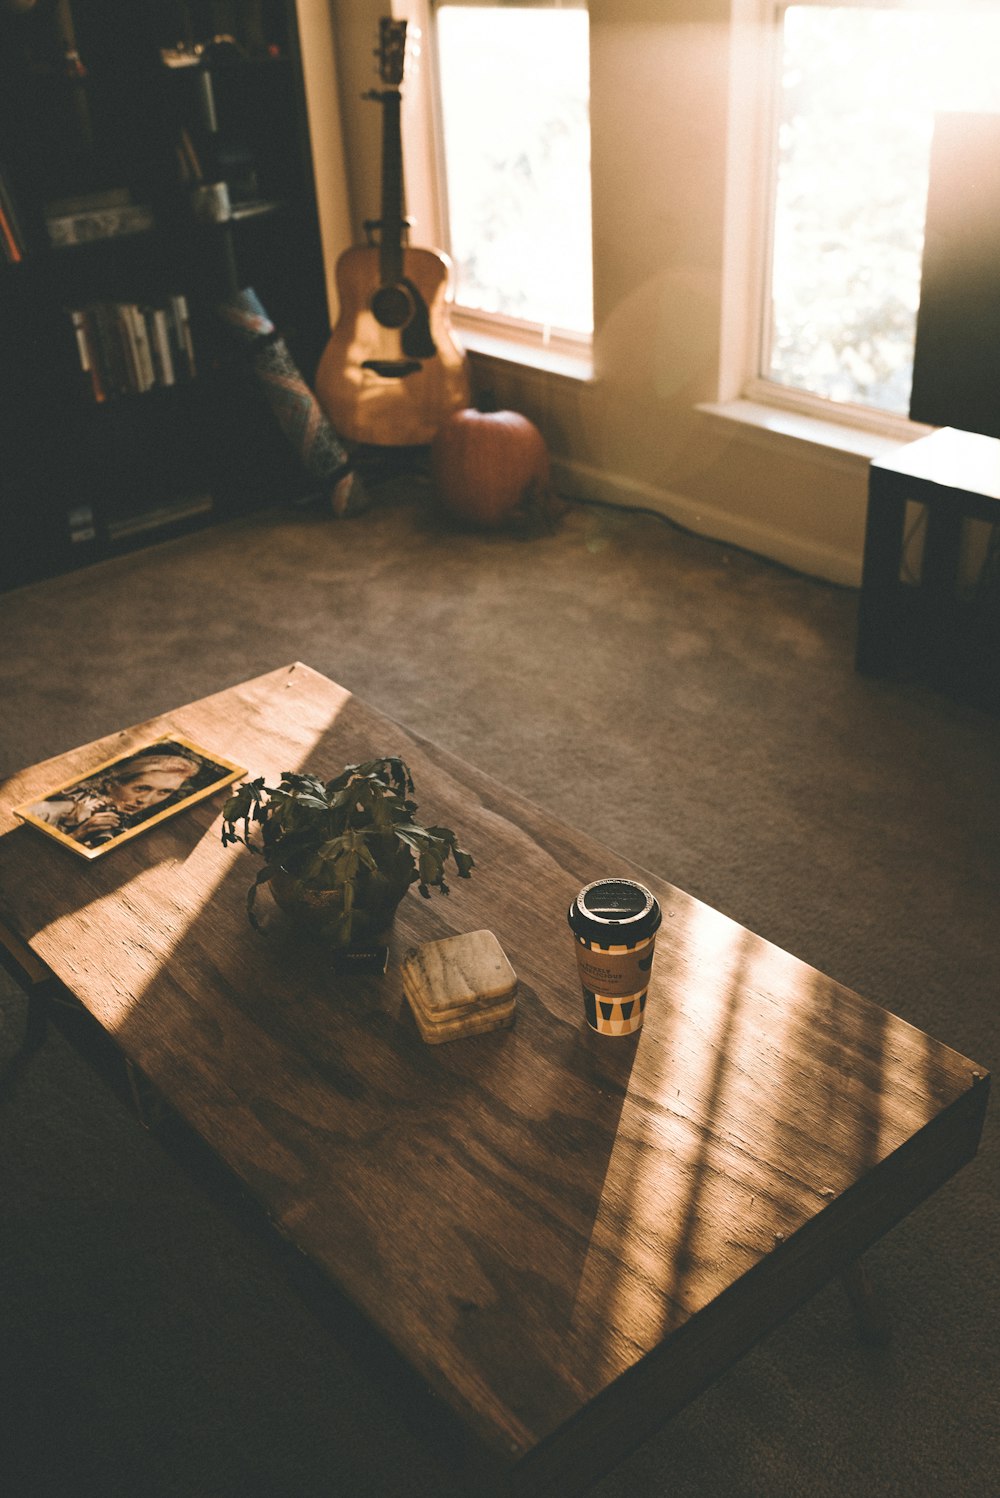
[{"x": 615, "y": 912}]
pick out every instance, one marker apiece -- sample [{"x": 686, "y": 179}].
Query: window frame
[
  {"x": 753, "y": 161},
  {"x": 426, "y": 185}
]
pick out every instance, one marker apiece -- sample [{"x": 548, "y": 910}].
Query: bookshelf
[{"x": 153, "y": 157}]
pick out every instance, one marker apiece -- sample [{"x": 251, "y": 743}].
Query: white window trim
[
  {"x": 490, "y": 334},
  {"x": 422, "y": 173},
  {"x": 783, "y": 415},
  {"x": 569, "y": 355}
]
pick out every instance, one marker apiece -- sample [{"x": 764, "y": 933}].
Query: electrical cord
[{"x": 684, "y": 530}]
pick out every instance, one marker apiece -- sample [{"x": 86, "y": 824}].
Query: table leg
[
  {"x": 36, "y": 1021},
  {"x": 938, "y": 586},
  {"x": 145, "y": 1099},
  {"x": 873, "y": 1322},
  {"x": 35, "y": 981},
  {"x": 878, "y": 606}
]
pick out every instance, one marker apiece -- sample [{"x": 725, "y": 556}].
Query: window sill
[
  {"x": 837, "y": 444},
  {"x": 568, "y": 362}
]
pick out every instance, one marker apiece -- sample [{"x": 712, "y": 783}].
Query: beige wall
[
  {"x": 323, "y": 103},
  {"x": 660, "y": 116}
]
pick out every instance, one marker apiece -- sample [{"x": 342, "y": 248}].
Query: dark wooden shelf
[
  {"x": 120, "y": 472},
  {"x": 259, "y": 208}
]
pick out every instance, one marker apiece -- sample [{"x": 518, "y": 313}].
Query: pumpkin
[{"x": 487, "y": 465}]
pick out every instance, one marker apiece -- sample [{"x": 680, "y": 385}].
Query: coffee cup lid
[{"x": 615, "y": 912}]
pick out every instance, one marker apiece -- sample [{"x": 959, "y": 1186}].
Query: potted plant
[{"x": 340, "y": 854}]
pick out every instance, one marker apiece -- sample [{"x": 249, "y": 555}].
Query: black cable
[{"x": 675, "y": 525}]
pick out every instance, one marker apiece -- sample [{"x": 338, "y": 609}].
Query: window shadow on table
[
  {"x": 522, "y": 1211},
  {"x": 392, "y": 1167}
]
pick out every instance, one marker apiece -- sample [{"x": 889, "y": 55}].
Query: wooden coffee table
[{"x": 566, "y": 1236}]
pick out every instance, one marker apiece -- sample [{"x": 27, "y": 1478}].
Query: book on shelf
[
  {"x": 135, "y": 318},
  {"x": 12, "y": 241},
  {"x": 182, "y": 326},
  {"x": 162, "y": 356},
  {"x": 84, "y": 225},
  {"x": 126, "y": 348},
  {"x": 9, "y": 243},
  {"x": 189, "y": 161},
  {"x": 111, "y": 356},
  {"x": 88, "y": 348},
  {"x": 80, "y": 523},
  {"x": 123, "y": 334}
]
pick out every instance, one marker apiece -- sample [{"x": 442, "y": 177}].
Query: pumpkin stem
[{"x": 486, "y": 402}]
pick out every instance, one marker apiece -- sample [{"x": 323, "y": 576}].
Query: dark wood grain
[{"x": 567, "y": 1236}]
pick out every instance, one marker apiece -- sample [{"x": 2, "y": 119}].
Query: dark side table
[{"x": 957, "y": 476}]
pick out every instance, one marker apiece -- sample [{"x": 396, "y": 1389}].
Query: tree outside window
[
  {"x": 514, "y": 86},
  {"x": 857, "y": 93}
]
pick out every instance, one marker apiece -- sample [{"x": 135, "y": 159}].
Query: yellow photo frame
[{"x": 125, "y": 796}]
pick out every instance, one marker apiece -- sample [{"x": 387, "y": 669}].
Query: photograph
[{"x": 124, "y": 796}]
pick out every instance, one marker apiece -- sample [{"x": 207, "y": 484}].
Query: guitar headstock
[{"x": 391, "y": 51}]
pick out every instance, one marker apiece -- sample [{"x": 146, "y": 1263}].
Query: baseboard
[{"x": 581, "y": 481}]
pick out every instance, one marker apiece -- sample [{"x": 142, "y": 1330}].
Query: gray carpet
[{"x": 696, "y": 709}]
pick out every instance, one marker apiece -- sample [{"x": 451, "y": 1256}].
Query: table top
[
  {"x": 529, "y": 1215},
  {"x": 965, "y": 462}
]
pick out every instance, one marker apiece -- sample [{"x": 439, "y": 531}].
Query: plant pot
[{"x": 321, "y": 911}]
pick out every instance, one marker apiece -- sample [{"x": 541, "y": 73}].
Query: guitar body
[
  {"x": 392, "y": 386},
  {"x": 392, "y": 373}
]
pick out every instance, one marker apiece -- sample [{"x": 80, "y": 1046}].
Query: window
[
  {"x": 857, "y": 87},
  {"x": 513, "y": 84}
]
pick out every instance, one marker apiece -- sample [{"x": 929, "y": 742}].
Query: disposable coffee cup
[{"x": 614, "y": 923}]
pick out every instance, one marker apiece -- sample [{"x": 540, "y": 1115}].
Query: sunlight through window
[
  {"x": 515, "y": 96},
  {"x": 857, "y": 94}
]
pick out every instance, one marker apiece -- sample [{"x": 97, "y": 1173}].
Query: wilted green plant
[{"x": 346, "y": 849}]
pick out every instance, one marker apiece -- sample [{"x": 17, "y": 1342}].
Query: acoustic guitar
[{"x": 392, "y": 370}]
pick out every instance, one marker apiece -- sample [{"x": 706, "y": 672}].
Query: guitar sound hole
[{"x": 392, "y": 306}]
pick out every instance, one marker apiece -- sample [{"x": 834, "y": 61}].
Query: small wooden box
[{"x": 463, "y": 985}]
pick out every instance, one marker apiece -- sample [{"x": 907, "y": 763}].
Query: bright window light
[
  {"x": 858, "y": 91},
  {"x": 515, "y": 102}
]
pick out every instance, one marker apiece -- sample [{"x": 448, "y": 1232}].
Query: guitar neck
[{"x": 391, "y": 244}]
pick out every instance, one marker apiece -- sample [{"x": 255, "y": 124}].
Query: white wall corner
[{"x": 318, "y": 47}]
